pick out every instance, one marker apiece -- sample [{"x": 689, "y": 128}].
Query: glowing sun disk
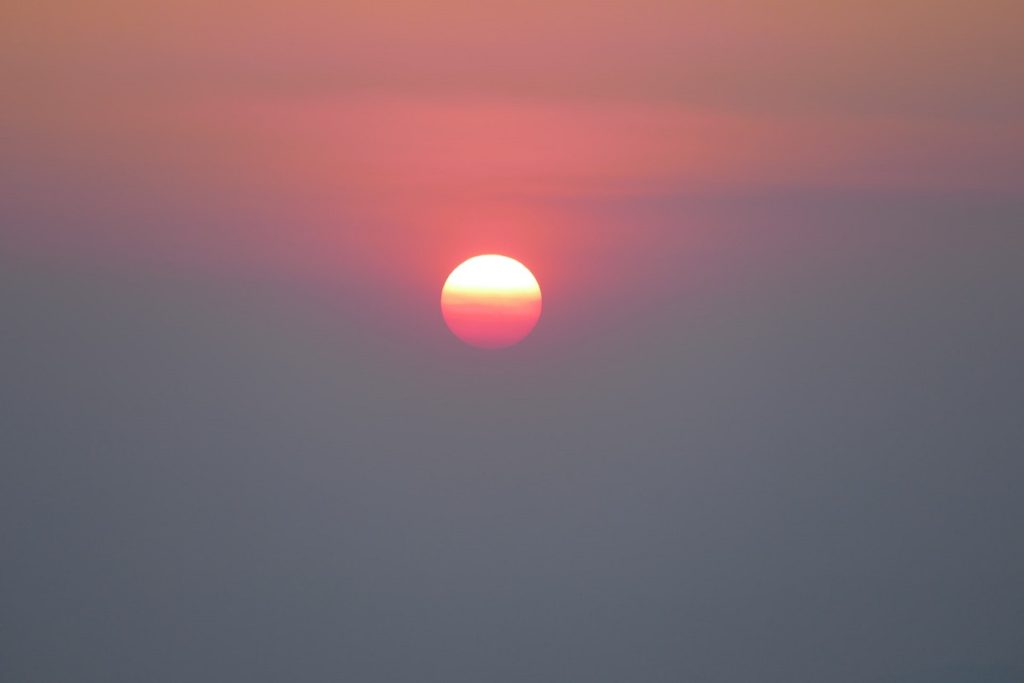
[{"x": 491, "y": 301}]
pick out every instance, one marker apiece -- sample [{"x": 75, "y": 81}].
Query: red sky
[{"x": 389, "y": 141}]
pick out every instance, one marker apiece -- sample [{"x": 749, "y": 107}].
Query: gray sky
[{"x": 806, "y": 473}]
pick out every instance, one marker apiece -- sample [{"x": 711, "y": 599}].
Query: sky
[{"x": 767, "y": 429}]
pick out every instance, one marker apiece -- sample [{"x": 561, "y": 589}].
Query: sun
[{"x": 491, "y": 301}]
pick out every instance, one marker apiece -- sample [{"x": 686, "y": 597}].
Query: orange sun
[{"x": 491, "y": 301}]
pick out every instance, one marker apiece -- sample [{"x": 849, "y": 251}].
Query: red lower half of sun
[
  {"x": 491, "y": 302},
  {"x": 490, "y": 323}
]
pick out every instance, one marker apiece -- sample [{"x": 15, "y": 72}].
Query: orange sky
[
  {"x": 537, "y": 97},
  {"x": 942, "y": 58}
]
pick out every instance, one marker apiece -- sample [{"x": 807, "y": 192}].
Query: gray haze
[{"x": 806, "y": 467}]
